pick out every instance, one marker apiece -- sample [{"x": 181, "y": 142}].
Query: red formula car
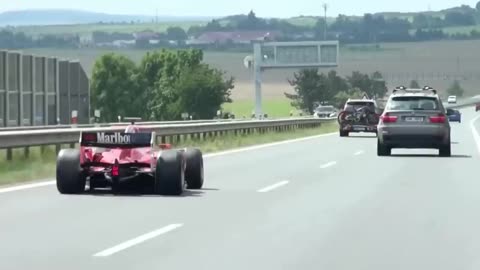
[{"x": 107, "y": 159}]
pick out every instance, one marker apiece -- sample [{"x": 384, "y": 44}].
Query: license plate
[
  {"x": 359, "y": 128},
  {"x": 414, "y": 119}
]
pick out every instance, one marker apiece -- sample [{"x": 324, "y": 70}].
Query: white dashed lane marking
[
  {"x": 329, "y": 164},
  {"x": 137, "y": 240},
  {"x": 272, "y": 187}
]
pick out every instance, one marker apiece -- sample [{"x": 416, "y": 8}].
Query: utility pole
[{"x": 325, "y": 26}]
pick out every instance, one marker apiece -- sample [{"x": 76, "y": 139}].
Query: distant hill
[
  {"x": 440, "y": 13},
  {"x": 65, "y": 16}
]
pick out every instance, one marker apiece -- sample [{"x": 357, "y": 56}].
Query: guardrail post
[
  {"x": 26, "y": 152},
  {"x": 42, "y": 149},
  {"x": 9, "y": 154},
  {"x": 58, "y": 147},
  {"x": 162, "y": 139}
]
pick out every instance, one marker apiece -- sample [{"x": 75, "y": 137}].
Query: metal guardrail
[
  {"x": 464, "y": 103},
  {"x": 116, "y": 124},
  {"x": 164, "y": 132}
]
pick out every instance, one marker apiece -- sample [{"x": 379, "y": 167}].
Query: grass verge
[
  {"x": 42, "y": 165},
  {"x": 279, "y": 107}
]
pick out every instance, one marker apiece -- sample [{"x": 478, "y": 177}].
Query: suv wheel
[
  {"x": 445, "y": 150},
  {"x": 343, "y": 133},
  {"x": 383, "y": 150}
]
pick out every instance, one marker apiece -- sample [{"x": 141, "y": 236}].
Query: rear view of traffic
[
  {"x": 414, "y": 118},
  {"x": 358, "y": 115}
]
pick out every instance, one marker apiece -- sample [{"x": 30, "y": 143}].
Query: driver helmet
[{"x": 132, "y": 129}]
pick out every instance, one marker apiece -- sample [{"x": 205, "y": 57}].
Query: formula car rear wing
[{"x": 117, "y": 139}]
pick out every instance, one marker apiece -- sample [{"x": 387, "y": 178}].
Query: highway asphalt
[{"x": 325, "y": 203}]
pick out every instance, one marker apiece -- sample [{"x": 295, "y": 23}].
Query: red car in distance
[{"x": 108, "y": 159}]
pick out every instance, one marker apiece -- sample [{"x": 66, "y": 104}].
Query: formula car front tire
[
  {"x": 194, "y": 170},
  {"x": 70, "y": 179},
  {"x": 169, "y": 173}
]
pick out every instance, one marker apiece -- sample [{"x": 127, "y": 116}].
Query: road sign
[{"x": 299, "y": 54}]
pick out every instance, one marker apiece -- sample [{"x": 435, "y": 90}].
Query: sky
[{"x": 271, "y": 8}]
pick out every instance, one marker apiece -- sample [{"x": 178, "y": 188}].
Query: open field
[
  {"x": 434, "y": 63},
  {"x": 274, "y": 107},
  {"x": 41, "y": 166}
]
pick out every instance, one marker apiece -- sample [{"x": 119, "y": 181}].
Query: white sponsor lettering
[{"x": 115, "y": 138}]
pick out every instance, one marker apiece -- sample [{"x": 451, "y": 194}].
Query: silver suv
[{"x": 414, "y": 118}]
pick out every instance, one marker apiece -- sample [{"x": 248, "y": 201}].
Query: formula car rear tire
[
  {"x": 445, "y": 150},
  {"x": 169, "y": 173},
  {"x": 194, "y": 170},
  {"x": 383, "y": 150},
  {"x": 70, "y": 179}
]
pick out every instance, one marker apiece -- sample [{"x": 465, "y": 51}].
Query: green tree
[
  {"x": 165, "y": 84},
  {"x": 310, "y": 87},
  {"x": 168, "y": 67},
  {"x": 342, "y": 97},
  {"x": 360, "y": 81},
  {"x": 306, "y": 86},
  {"x": 456, "y": 89},
  {"x": 414, "y": 84},
  {"x": 336, "y": 84},
  {"x": 379, "y": 86},
  {"x": 114, "y": 90},
  {"x": 176, "y": 33},
  {"x": 374, "y": 86},
  {"x": 201, "y": 92}
]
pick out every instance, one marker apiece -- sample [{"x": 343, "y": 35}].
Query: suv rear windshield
[
  {"x": 354, "y": 105},
  {"x": 413, "y": 103}
]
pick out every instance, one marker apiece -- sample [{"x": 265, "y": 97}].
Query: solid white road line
[
  {"x": 272, "y": 187},
  {"x": 476, "y": 136},
  {"x": 228, "y": 152},
  {"x": 137, "y": 240},
  {"x": 329, "y": 164},
  {"x": 28, "y": 186},
  {"x": 358, "y": 153},
  {"x": 260, "y": 146}
]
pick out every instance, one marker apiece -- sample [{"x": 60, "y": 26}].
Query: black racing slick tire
[
  {"x": 343, "y": 133},
  {"x": 194, "y": 170},
  {"x": 70, "y": 179},
  {"x": 169, "y": 173},
  {"x": 383, "y": 150},
  {"x": 445, "y": 150}
]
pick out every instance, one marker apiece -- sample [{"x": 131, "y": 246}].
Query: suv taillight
[
  {"x": 438, "y": 119},
  {"x": 388, "y": 118}
]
